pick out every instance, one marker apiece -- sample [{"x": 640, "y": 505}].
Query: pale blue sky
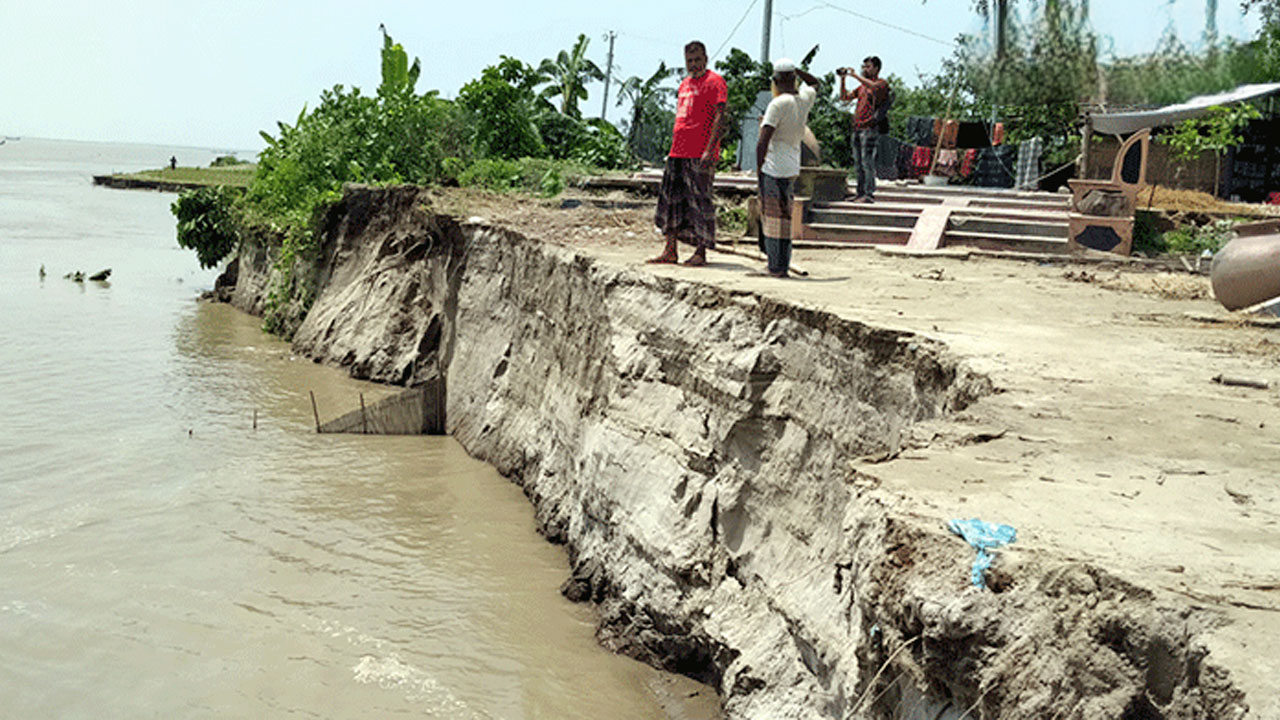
[{"x": 212, "y": 73}]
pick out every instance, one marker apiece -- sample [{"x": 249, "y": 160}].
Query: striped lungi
[
  {"x": 776, "y": 195},
  {"x": 775, "y": 220},
  {"x": 685, "y": 210}
]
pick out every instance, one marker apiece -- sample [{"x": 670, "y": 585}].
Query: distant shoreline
[{"x": 179, "y": 179}]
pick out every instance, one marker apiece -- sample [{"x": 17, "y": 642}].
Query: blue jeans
[{"x": 864, "y": 156}]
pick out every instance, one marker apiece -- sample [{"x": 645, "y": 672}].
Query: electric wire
[
  {"x": 732, "y": 32},
  {"x": 899, "y": 28}
]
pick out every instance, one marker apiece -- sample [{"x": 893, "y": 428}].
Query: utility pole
[
  {"x": 768, "y": 23},
  {"x": 1001, "y": 16},
  {"x": 608, "y": 72},
  {"x": 1001, "y": 24},
  {"x": 1211, "y": 22}
]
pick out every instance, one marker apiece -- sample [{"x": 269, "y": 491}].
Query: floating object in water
[
  {"x": 100, "y": 275},
  {"x": 76, "y": 276},
  {"x": 1247, "y": 270},
  {"x": 42, "y": 272}
]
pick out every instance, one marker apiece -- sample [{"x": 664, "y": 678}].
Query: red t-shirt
[
  {"x": 695, "y": 109},
  {"x": 869, "y": 98}
]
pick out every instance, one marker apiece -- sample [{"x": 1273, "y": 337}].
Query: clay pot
[{"x": 1247, "y": 270}]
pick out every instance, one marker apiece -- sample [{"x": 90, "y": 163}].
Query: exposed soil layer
[{"x": 752, "y": 476}]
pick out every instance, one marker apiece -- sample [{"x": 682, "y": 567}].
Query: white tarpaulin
[{"x": 1127, "y": 122}]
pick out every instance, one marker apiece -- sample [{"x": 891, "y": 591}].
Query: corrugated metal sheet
[{"x": 1128, "y": 122}]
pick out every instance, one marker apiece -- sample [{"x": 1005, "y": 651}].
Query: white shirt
[{"x": 788, "y": 115}]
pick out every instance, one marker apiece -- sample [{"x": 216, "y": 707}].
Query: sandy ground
[{"x": 1109, "y": 441}]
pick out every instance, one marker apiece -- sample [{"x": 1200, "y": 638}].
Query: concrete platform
[{"x": 917, "y": 216}]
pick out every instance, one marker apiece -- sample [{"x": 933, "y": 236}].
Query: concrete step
[
  {"x": 1016, "y": 243},
  {"x": 908, "y": 199},
  {"x": 1021, "y": 204},
  {"x": 862, "y": 216},
  {"x": 970, "y": 191},
  {"x": 1038, "y": 214},
  {"x": 1009, "y": 226},
  {"x": 872, "y": 234}
]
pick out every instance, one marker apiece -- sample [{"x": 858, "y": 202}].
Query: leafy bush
[
  {"x": 602, "y": 146},
  {"x": 499, "y": 108},
  {"x": 541, "y": 176},
  {"x": 396, "y": 136},
  {"x": 561, "y": 135},
  {"x": 392, "y": 137},
  {"x": 1195, "y": 240},
  {"x": 206, "y": 223},
  {"x": 652, "y": 118},
  {"x": 731, "y": 219},
  {"x": 227, "y": 161},
  {"x": 1147, "y": 239},
  {"x": 745, "y": 79}
]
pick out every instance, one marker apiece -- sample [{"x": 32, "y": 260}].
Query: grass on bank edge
[{"x": 232, "y": 176}]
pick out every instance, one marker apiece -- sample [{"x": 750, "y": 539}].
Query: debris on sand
[{"x": 1241, "y": 382}]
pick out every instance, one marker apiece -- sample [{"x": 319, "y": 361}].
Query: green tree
[
  {"x": 397, "y": 75},
  {"x": 1267, "y": 43},
  {"x": 1268, "y": 9},
  {"x": 649, "y": 127},
  {"x": 1217, "y": 131},
  {"x": 567, "y": 76},
  {"x": 1048, "y": 68},
  {"x": 745, "y": 79},
  {"x": 206, "y": 223},
  {"x": 501, "y": 107},
  {"x": 395, "y": 136}
]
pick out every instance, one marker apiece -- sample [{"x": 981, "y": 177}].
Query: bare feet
[
  {"x": 668, "y": 256},
  {"x": 697, "y": 259}
]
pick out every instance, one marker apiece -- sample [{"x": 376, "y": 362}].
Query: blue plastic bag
[{"x": 983, "y": 536}]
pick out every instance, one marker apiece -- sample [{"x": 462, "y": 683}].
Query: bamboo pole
[{"x": 314, "y": 410}]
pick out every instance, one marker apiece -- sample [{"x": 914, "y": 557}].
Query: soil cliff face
[{"x": 693, "y": 448}]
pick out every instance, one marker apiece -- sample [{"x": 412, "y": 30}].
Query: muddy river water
[{"x": 161, "y": 557}]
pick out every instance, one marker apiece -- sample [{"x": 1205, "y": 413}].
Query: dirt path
[{"x": 1109, "y": 442}]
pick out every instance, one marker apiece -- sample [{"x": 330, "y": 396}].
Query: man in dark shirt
[{"x": 871, "y": 93}]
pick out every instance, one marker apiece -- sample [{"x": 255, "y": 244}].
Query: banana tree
[
  {"x": 647, "y": 97},
  {"x": 397, "y": 75},
  {"x": 568, "y": 75}
]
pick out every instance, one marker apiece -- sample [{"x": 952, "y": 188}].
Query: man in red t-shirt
[
  {"x": 685, "y": 211},
  {"x": 871, "y": 93}
]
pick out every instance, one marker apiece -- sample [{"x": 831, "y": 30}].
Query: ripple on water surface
[{"x": 162, "y": 558}]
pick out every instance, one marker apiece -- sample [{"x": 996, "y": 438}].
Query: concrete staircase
[
  {"x": 927, "y": 218},
  {"x": 923, "y": 218}
]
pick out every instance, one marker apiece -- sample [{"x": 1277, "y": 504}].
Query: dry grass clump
[
  {"x": 1171, "y": 286},
  {"x": 1196, "y": 201}
]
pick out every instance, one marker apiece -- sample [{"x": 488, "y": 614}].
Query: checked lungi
[
  {"x": 776, "y": 195},
  {"x": 685, "y": 210}
]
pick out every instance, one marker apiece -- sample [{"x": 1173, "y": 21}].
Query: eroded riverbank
[
  {"x": 732, "y": 471},
  {"x": 162, "y": 557}
]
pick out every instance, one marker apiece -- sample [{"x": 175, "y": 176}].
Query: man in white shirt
[{"x": 778, "y": 158}]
